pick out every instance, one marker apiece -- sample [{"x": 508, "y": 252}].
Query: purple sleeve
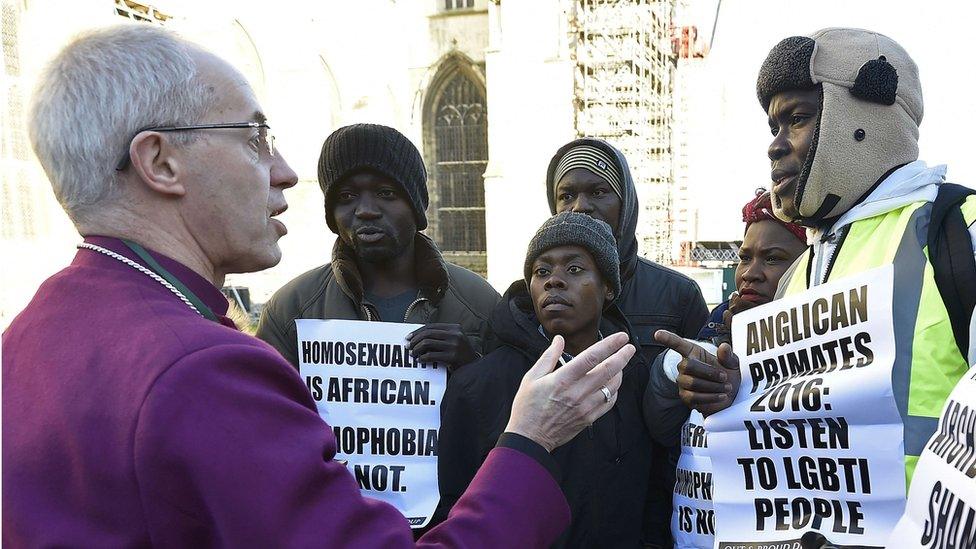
[
  {"x": 229, "y": 450},
  {"x": 513, "y": 501}
]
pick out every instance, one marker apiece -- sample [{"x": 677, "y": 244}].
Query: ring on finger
[{"x": 607, "y": 395}]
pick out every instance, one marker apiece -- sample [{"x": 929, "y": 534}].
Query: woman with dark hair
[
  {"x": 572, "y": 278},
  {"x": 769, "y": 247}
]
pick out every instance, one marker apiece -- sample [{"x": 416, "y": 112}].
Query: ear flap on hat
[
  {"x": 877, "y": 82},
  {"x": 829, "y": 202}
]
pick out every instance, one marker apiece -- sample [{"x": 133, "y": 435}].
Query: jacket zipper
[
  {"x": 369, "y": 315},
  {"x": 410, "y": 307},
  {"x": 817, "y": 270},
  {"x": 821, "y": 269},
  {"x": 839, "y": 235}
]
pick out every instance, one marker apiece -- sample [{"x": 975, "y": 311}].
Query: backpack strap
[{"x": 951, "y": 254}]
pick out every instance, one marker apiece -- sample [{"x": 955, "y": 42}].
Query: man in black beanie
[{"x": 383, "y": 267}]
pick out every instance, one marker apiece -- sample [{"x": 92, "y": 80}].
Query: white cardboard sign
[
  {"x": 814, "y": 440},
  {"x": 382, "y": 405}
]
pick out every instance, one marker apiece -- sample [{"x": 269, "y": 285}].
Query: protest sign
[
  {"x": 693, "y": 520},
  {"x": 383, "y": 406},
  {"x": 813, "y": 440},
  {"x": 941, "y": 510}
]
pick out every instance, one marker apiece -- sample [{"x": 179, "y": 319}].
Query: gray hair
[{"x": 96, "y": 94}]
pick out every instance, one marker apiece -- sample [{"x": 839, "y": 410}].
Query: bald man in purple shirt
[{"x": 135, "y": 413}]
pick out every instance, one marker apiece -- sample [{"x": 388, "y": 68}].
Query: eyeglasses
[{"x": 264, "y": 135}]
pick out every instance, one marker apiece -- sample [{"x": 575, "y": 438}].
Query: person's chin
[
  {"x": 784, "y": 208},
  {"x": 555, "y": 323},
  {"x": 274, "y": 258},
  {"x": 379, "y": 252},
  {"x": 744, "y": 304},
  {"x": 258, "y": 259},
  {"x": 270, "y": 257},
  {"x": 790, "y": 213}
]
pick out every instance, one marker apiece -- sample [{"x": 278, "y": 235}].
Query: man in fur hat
[{"x": 844, "y": 107}]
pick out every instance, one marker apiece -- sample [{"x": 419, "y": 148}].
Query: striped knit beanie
[{"x": 593, "y": 160}]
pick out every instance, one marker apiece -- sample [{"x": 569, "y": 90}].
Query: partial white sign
[
  {"x": 941, "y": 509},
  {"x": 693, "y": 520}
]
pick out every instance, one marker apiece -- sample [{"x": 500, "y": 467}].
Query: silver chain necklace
[{"x": 141, "y": 269}]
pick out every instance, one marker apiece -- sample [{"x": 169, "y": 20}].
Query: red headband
[{"x": 760, "y": 208}]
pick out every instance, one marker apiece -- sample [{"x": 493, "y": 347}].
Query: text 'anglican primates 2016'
[{"x": 813, "y": 440}]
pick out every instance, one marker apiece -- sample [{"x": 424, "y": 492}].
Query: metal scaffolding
[
  {"x": 625, "y": 65},
  {"x": 142, "y": 12}
]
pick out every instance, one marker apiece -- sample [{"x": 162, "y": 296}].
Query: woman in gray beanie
[{"x": 572, "y": 276}]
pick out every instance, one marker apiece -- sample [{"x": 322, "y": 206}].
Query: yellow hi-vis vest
[{"x": 928, "y": 362}]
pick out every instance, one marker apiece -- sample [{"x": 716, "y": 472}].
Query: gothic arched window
[{"x": 456, "y": 146}]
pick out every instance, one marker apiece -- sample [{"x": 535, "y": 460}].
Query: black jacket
[
  {"x": 605, "y": 470},
  {"x": 653, "y": 298}
]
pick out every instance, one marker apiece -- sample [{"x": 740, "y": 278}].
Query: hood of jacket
[
  {"x": 431, "y": 269},
  {"x": 514, "y": 323},
  {"x": 626, "y": 233}
]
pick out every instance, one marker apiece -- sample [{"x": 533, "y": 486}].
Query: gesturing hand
[
  {"x": 706, "y": 382},
  {"x": 441, "y": 343},
  {"x": 552, "y": 407}
]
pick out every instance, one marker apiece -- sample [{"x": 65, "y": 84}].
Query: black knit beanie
[
  {"x": 353, "y": 148},
  {"x": 576, "y": 229}
]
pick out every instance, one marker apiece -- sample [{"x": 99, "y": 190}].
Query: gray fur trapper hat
[
  {"x": 870, "y": 111},
  {"x": 577, "y": 229}
]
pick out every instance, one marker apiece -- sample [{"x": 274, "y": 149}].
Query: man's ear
[
  {"x": 154, "y": 158},
  {"x": 608, "y": 292}
]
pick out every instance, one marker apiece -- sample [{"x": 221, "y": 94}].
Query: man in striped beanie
[{"x": 591, "y": 176}]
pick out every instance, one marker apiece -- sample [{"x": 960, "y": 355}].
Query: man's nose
[
  {"x": 281, "y": 173},
  {"x": 780, "y": 147},
  {"x": 582, "y": 205},
  {"x": 554, "y": 281},
  {"x": 366, "y": 207}
]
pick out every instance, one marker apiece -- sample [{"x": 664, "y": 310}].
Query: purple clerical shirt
[{"x": 130, "y": 420}]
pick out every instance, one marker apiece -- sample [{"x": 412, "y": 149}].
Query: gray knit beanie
[
  {"x": 576, "y": 229},
  {"x": 371, "y": 146}
]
